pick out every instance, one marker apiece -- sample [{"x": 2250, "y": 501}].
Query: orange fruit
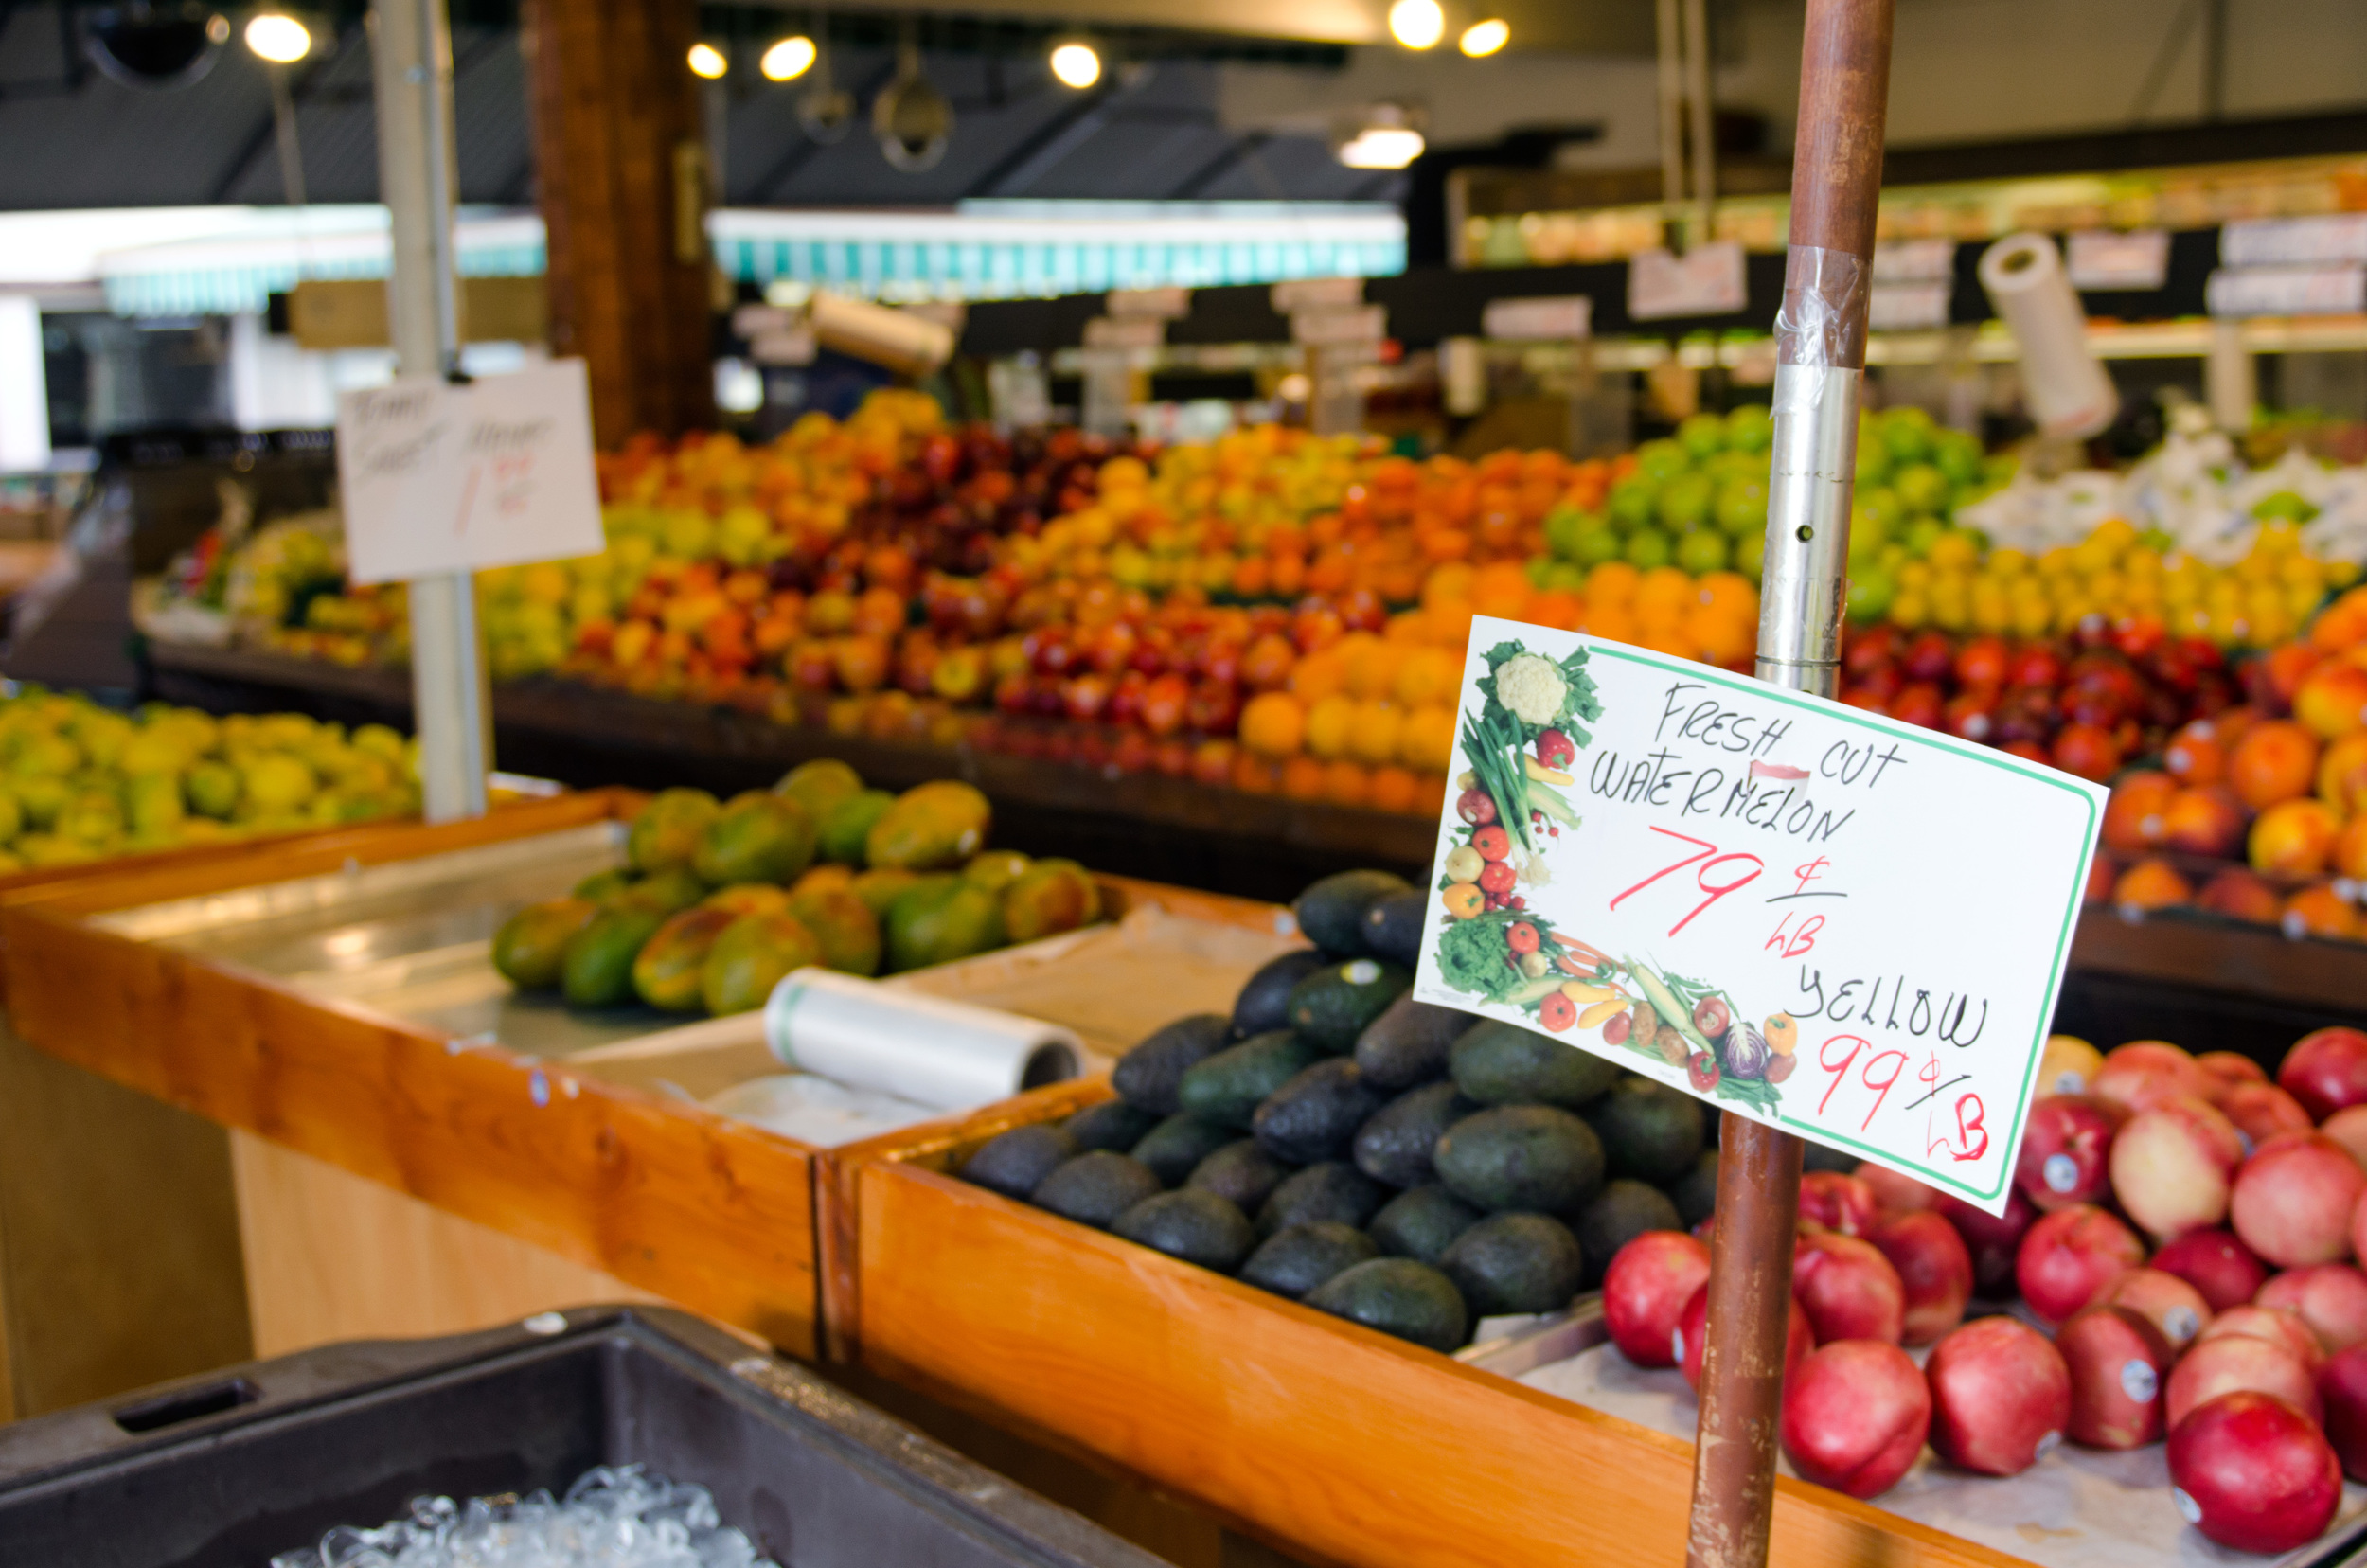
[
  {"x": 2350, "y": 850},
  {"x": 2197, "y": 755},
  {"x": 1346, "y": 783},
  {"x": 1674, "y": 641},
  {"x": 1724, "y": 635},
  {"x": 1373, "y": 733},
  {"x": 1249, "y": 773},
  {"x": 2293, "y": 838},
  {"x": 1614, "y": 583},
  {"x": 1329, "y": 725},
  {"x": 2133, "y": 819},
  {"x": 1501, "y": 589},
  {"x": 1303, "y": 778},
  {"x": 1318, "y": 676},
  {"x": 2275, "y": 761},
  {"x": 1614, "y": 623},
  {"x": 1730, "y": 592},
  {"x": 2342, "y": 623},
  {"x": 2331, "y": 702},
  {"x": 1425, "y": 740},
  {"x": 1432, "y": 796},
  {"x": 1428, "y": 675},
  {"x": 1556, "y": 607},
  {"x": 1662, "y": 597},
  {"x": 1450, "y": 625},
  {"x": 2343, "y": 774},
  {"x": 1273, "y": 724},
  {"x": 1393, "y": 789},
  {"x": 1372, "y": 665},
  {"x": 1447, "y": 584},
  {"x": 2152, "y": 884},
  {"x": 2320, "y": 912}
]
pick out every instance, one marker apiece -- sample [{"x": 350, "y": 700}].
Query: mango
[
  {"x": 668, "y": 892},
  {"x": 41, "y": 797},
  {"x": 603, "y": 886},
  {"x": 668, "y": 831},
  {"x": 846, "y": 825},
  {"x": 996, "y": 869},
  {"x": 824, "y": 876},
  {"x": 276, "y": 783},
  {"x": 937, "y": 825},
  {"x": 915, "y": 928},
  {"x": 212, "y": 789},
  {"x": 757, "y": 838},
  {"x": 1050, "y": 897},
  {"x": 152, "y": 804},
  {"x": 596, "y": 970},
  {"x": 666, "y": 971},
  {"x": 882, "y": 888},
  {"x": 819, "y": 785},
  {"x": 749, "y": 898},
  {"x": 530, "y": 949},
  {"x": 754, "y": 954},
  {"x": 843, "y": 925}
]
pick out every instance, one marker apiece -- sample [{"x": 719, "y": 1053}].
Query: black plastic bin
[{"x": 224, "y": 1471}]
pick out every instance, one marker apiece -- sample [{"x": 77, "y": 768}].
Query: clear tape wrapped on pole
[
  {"x": 2069, "y": 393},
  {"x": 1819, "y": 351},
  {"x": 896, "y": 340}
]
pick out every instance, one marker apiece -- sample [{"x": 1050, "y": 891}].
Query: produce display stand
[
  {"x": 1145, "y": 824},
  {"x": 2215, "y": 985},
  {"x": 563, "y": 1136}
]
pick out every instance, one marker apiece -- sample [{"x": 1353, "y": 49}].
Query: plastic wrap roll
[
  {"x": 2069, "y": 393},
  {"x": 898, "y": 340},
  {"x": 946, "y": 1055}
]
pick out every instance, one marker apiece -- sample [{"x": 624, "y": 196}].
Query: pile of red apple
[
  {"x": 2185, "y": 1228},
  {"x": 2085, "y": 704}
]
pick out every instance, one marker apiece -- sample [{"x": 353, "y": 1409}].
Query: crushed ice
[{"x": 613, "y": 1517}]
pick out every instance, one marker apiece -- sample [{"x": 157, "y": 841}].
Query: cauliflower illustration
[{"x": 1532, "y": 688}]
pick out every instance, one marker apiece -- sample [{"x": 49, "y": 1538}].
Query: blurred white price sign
[
  {"x": 1706, "y": 280},
  {"x": 443, "y": 478},
  {"x": 2111, "y": 259},
  {"x": 1537, "y": 320},
  {"x": 1850, "y": 927},
  {"x": 2286, "y": 290}
]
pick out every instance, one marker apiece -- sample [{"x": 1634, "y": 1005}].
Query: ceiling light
[
  {"x": 278, "y": 38},
  {"x": 1418, "y": 23},
  {"x": 156, "y": 45},
  {"x": 1076, "y": 65},
  {"x": 1381, "y": 147},
  {"x": 788, "y": 59},
  {"x": 708, "y": 62},
  {"x": 1482, "y": 39}
]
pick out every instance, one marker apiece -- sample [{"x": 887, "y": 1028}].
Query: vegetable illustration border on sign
[{"x": 1759, "y": 896}]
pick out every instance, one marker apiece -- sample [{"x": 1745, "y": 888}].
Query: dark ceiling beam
[
  {"x": 1061, "y": 135},
  {"x": 260, "y": 136},
  {"x": 805, "y": 149},
  {"x": 1240, "y": 152}
]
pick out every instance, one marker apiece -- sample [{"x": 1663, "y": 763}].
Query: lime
[
  {"x": 1684, "y": 502},
  {"x": 1958, "y": 455},
  {"x": 1871, "y": 590},
  {"x": 1922, "y": 533},
  {"x": 1742, "y": 506},
  {"x": 1921, "y": 488},
  {"x": 1879, "y": 501},
  {"x": 1563, "y": 526},
  {"x": 1869, "y": 533},
  {"x": 1702, "y": 551},
  {"x": 1751, "y": 554},
  {"x": 1634, "y": 501},
  {"x": 1750, "y": 428},
  {"x": 1907, "y": 431},
  {"x": 1661, "y": 460},
  {"x": 1703, "y": 435},
  {"x": 1563, "y": 578},
  {"x": 1874, "y": 460},
  {"x": 1597, "y": 545},
  {"x": 1648, "y": 548}
]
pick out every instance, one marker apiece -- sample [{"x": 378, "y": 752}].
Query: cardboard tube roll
[
  {"x": 2070, "y": 395},
  {"x": 948, "y": 1056}
]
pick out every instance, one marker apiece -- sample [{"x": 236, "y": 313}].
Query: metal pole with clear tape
[
  {"x": 1836, "y": 183},
  {"x": 411, "y": 58}
]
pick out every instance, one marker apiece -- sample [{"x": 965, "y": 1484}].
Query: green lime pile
[
  {"x": 1912, "y": 476},
  {"x": 719, "y": 900},
  {"x": 1697, "y": 500},
  {"x": 80, "y": 782}
]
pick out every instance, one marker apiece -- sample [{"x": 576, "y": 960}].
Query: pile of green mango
[
  {"x": 80, "y": 782},
  {"x": 718, "y": 901}
]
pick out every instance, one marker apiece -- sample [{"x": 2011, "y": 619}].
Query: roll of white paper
[
  {"x": 899, "y": 340},
  {"x": 947, "y": 1055},
  {"x": 2070, "y": 395}
]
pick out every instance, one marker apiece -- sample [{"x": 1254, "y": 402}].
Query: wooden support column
[{"x": 620, "y": 158}]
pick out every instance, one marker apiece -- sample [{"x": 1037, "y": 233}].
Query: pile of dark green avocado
[{"x": 1335, "y": 1141}]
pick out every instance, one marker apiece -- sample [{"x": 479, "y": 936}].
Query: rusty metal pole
[{"x": 1836, "y": 184}]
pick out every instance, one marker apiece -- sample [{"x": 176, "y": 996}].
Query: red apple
[
  {"x": 1837, "y": 1202},
  {"x": 1848, "y": 1289},
  {"x": 2330, "y": 1297},
  {"x": 2117, "y": 1361},
  {"x": 1855, "y": 1416},
  {"x": 2250, "y": 1472},
  {"x": 2326, "y": 1070},
  {"x": 2001, "y": 1396},
  {"x": 2279, "y": 1326},
  {"x": 1644, "y": 1291},
  {"x": 1992, "y": 1239},
  {"x": 1692, "y": 1339},
  {"x": 2173, "y": 1164},
  {"x": 1893, "y": 1192},
  {"x": 2342, "y": 1390},
  {"x": 1934, "y": 1270},
  {"x": 2260, "y": 1112},
  {"x": 2064, "y": 1150},
  {"x": 2163, "y": 1300},
  {"x": 2348, "y": 1127},
  {"x": 2216, "y": 1367},
  {"x": 2293, "y": 1201},
  {"x": 2232, "y": 1067},
  {"x": 2071, "y": 1257},
  {"x": 2136, "y": 1075},
  {"x": 2216, "y": 1264}
]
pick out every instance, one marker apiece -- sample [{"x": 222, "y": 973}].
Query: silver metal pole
[
  {"x": 411, "y": 56},
  {"x": 283, "y": 125},
  {"x": 1697, "y": 101}
]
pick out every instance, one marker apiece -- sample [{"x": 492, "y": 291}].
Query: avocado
[
  {"x": 1824, "y": 1157},
  {"x": 1149, "y": 1074},
  {"x": 1194, "y": 1224},
  {"x": 1515, "y": 1263},
  {"x": 1331, "y": 912},
  {"x": 758, "y": 837},
  {"x": 1112, "y": 1124},
  {"x": 1241, "y": 1172},
  {"x": 1096, "y": 1188},
  {"x": 1624, "y": 1210},
  {"x": 1314, "y": 1116},
  {"x": 1333, "y": 1006},
  {"x": 843, "y": 823},
  {"x": 668, "y": 831},
  {"x": 1393, "y": 1146},
  {"x": 530, "y": 949},
  {"x": 1174, "y": 1148},
  {"x": 1398, "y": 1296},
  {"x": 1506, "y": 1065},
  {"x": 1650, "y": 1130},
  {"x": 1292, "y": 1263},
  {"x": 665, "y": 973},
  {"x": 1014, "y": 1163},
  {"x": 1393, "y": 927},
  {"x": 1327, "y": 1191},
  {"x": 1695, "y": 1193},
  {"x": 1535, "y": 1157},
  {"x": 1263, "y": 1006},
  {"x": 1408, "y": 1043},
  {"x": 1228, "y": 1087},
  {"x": 1423, "y": 1223},
  {"x": 596, "y": 970}
]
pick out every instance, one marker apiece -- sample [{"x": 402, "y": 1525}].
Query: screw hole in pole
[{"x": 1804, "y": 533}]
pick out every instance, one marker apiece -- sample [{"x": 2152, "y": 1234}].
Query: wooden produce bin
[{"x": 1332, "y": 1441}]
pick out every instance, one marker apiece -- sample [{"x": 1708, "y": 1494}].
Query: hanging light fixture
[
  {"x": 1482, "y": 39},
  {"x": 788, "y": 59},
  {"x": 1418, "y": 23},
  {"x": 707, "y": 61},
  {"x": 1076, "y": 63},
  {"x": 912, "y": 120},
  {"x": 1388, "y": 136},
  {"x": 277, "y": 36},
  {"x": 156, "y": 45}
]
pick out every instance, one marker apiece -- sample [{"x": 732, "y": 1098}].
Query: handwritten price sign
[
  {"x": 1849, "y": 926},
  {"x": 440, "y": 478}
]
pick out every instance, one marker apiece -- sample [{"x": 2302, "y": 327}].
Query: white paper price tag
[
  {"x": 1901, "y": 307},
  {"x": 1914, "y": 261},
  {"x": 1360, "y": 324},
  {"x": 1848, "y": 926},
  {"x": 441, "y": 478},
  {"x": 2294, "y": 242},
  {"x": 1552, "y": 319},
  {"x": 1126, "y": 331},
  {"x": 2286, "y": 290},
  {"x": 1706, "y": 280},
  {"x": 2108, "y": 258}
]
